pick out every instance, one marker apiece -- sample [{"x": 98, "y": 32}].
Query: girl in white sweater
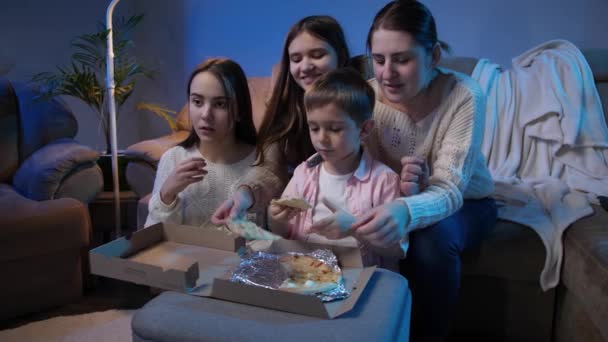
[{"x": 196, "y": 176}]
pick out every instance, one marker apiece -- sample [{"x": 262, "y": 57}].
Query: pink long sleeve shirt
[{"x": 372, "y": 184}]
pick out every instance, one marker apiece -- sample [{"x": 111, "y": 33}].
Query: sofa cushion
[
  {"x": 140, "y": 176},
  {"x": 585, "y": 267},
  {"x": 501, "y": 298},
  {"x": 39, "y": 177},
  {"x": 497, "y": 309},
  {"x": 41, "y": 120},
  {"x": 83, "y": 184},
  {"x": 598, "y": 62},
  {"x": 9, "y": 119},
  {"x": 572, "y": 321},
  {"x": 465, "y": 65},
  {"x": 259, "y": 89},
  {"x": 142, "y": 210},
  {"x": 512, "y": 252}
]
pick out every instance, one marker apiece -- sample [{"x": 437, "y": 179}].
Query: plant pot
[{"x": 105, "y": 163}]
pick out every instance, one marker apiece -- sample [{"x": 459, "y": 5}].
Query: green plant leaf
[
  {"x": 83, "y": 77},
  {"x": 167, "y": 114}
]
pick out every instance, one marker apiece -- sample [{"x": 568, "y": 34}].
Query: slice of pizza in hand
[
  {"x": 308, "y": 275},
  {"x": 293, "y": 202},
  {"x": 250, "y": 230}
]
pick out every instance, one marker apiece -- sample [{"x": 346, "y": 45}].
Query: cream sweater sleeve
[
  {"x": 157, "y": 210},
  {"x": 267, "y": 180},
  {"x": 457, "y": 166},
  {"x": 456, "y": 150}
]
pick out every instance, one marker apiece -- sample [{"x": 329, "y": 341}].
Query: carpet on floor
[{"x": 109, "y": 325}]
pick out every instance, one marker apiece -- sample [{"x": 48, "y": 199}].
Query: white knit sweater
[
  {"x": 451, "y": 145},
  {"x": 195, "y": 204}
]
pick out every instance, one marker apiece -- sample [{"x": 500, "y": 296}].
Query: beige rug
[{"x": 111, "y": 325}]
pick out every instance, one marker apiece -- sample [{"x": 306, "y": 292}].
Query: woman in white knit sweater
[
  {"x": 428, "y": 122},
  {"x": 196, "y": 176}
]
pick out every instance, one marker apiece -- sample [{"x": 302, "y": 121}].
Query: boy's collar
[{"x": 362, "y": 172}]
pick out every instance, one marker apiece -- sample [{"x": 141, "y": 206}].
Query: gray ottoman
[{"x": 382, "y": 313}]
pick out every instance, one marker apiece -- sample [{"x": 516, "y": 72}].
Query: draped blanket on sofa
[{"x": 545, "y": 142}]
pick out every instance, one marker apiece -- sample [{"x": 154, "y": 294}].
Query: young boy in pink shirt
[{"x": 341, "y": 180}]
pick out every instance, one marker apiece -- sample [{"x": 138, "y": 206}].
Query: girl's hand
[
  {"x": 282, "y": 213},
  {"x": 383, "y": 226},
  {"x": 235, "y": 207},
  {"x": 414, "y": 175},
  {"x": 185, "y": 173}
]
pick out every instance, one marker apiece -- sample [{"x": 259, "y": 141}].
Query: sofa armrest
[
  {"x": 465, "y": 65},
  {"x": 144, "y": 157},
  {"x": 41, "y": 174},
  {"x": 83, "y": 183},
  {"x": 598, "y": 62},
  {"x": 142, "y": 210},
  {"x": 33, "y": 228},
  {"x": 150, "y": 151},
  {"x": 140, "y": 177}
]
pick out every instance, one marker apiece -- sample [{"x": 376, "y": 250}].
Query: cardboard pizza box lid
[{"x": 163, "y": 255}]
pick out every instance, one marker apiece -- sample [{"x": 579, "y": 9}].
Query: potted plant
[{"x": 84, "y": 79}]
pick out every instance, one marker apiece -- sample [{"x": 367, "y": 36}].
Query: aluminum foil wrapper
[{"x": 265, "y": 270}]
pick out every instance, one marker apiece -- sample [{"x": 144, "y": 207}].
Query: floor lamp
[{"x": 110, "y": 87}]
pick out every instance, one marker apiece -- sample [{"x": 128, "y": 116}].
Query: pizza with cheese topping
[
  {"x": 308, "y": 275},
  {"x": 292, "y": 202}
]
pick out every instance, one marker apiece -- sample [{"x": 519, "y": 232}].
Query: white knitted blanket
[{"x": 545, "y": 142}]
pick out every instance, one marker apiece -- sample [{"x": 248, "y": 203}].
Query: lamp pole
[{"x": 110, "y": 87}]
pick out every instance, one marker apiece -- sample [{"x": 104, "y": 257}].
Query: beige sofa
[{"x": 501, "y": 297}]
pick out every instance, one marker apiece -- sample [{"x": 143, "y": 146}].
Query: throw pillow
[{"x": 40, "y": 175}]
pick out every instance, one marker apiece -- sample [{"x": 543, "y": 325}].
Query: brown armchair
[{"x": 46, "y": 179}]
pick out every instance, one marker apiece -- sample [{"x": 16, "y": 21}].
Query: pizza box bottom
[{"x": 199, "y": 261}]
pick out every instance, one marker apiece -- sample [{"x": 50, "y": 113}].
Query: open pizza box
[{"x": 199, "y": 261}]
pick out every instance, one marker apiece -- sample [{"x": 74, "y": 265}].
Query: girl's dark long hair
[
  {"x": 234, "y": 82},
  {"x": 285, "y": 120}
]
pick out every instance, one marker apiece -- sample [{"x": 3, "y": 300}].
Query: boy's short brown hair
[{"x": 346, "y": 89}]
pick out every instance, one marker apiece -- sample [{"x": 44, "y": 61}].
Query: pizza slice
[
  {"x": 308, "y": 275},
  {"x": 293, "y": 202},
  {"x": 250, "y": 230}
]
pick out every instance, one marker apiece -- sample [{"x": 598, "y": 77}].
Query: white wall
[{"x": 178, "y": 34}]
